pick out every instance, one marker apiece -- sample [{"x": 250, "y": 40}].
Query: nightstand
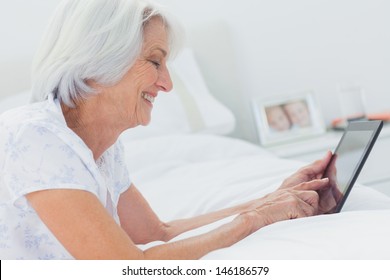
[{"x": 376, "y": 171}]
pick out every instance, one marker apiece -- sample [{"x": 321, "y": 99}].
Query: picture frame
[{"x": 287, "y": 118}]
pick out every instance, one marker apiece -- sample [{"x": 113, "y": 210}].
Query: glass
[{"x": 352, "y": 103}]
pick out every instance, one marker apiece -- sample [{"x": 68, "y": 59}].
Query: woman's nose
[{"x": 164, "y": 81}]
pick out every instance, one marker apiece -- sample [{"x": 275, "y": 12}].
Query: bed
[{"x": 185, "y": 164}]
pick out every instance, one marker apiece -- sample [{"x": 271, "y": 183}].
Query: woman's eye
[{"x": 155, "y": 63}]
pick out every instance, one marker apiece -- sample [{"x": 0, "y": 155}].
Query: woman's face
[{"x": 133, "y": 96}]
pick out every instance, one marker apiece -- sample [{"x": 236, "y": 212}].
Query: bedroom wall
[
  {"x": 22, "y": 23},
  {"x": 249, "y": 48},
  {"x": 260, "y": 48}
]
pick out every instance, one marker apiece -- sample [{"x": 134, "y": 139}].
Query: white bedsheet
[{"x": 186, "y": 175}]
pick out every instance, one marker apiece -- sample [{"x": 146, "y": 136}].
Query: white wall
[
  {"x": 266, "y": 48},
  {"x": 253, "y": 48},
  {"x": 22, "y": 23}
]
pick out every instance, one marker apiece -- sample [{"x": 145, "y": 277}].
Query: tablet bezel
[{"x": 375, "y": 127}]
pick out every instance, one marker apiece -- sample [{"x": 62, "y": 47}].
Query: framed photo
[{"x": 287, "y": 118}]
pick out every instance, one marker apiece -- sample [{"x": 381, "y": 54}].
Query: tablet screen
[{"x": 349, "y": 157}]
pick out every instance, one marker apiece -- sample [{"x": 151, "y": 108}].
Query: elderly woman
[{"x": 65, "y": 189}]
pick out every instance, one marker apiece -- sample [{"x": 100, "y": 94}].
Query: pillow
[
  {"x": 188, "y": 108},
  {"x": 14, "y": 100}
]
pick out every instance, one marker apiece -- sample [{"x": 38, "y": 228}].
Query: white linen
[{"x": 187, "y": 175}]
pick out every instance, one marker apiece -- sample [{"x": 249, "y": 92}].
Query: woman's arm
[
  {"x": 300, "y": 201},
  {"x": 87, "y": 231},
  {"x": 134, "y": 210},
  {"x": 82, "y": 225}
]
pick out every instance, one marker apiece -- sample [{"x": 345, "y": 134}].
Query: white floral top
[{"x": 37, "y": 152}]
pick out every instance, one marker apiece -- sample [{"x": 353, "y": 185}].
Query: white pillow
[{"x": 14, "y": 100}]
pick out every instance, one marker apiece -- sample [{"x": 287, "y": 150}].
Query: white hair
[{"x": 95, "y": 40}]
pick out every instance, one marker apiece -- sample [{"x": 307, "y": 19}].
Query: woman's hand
[
  {"x": 307, "y": 173},
  {"x": 295, "y": 202},
  {"x": 328, "y": 196}
]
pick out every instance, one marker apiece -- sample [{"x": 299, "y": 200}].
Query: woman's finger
[
  {"x": 313, "y": 185},
  {"x": 318, "y": 167}
]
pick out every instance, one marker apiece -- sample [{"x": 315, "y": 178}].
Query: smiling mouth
[{"x": 148, "y": 97}]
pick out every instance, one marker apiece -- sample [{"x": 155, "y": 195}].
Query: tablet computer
[{"x": 349, "y": 157}]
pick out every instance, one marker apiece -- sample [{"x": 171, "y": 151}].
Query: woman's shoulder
[
  {"x": 15, "y": 120},
  {"x": 39, "y": 114},
  {"x": 20, "y": 114},
  {"x": 34, "y": 125}
]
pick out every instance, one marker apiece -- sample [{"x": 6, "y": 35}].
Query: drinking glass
[{"x": 352, "y": 103}]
